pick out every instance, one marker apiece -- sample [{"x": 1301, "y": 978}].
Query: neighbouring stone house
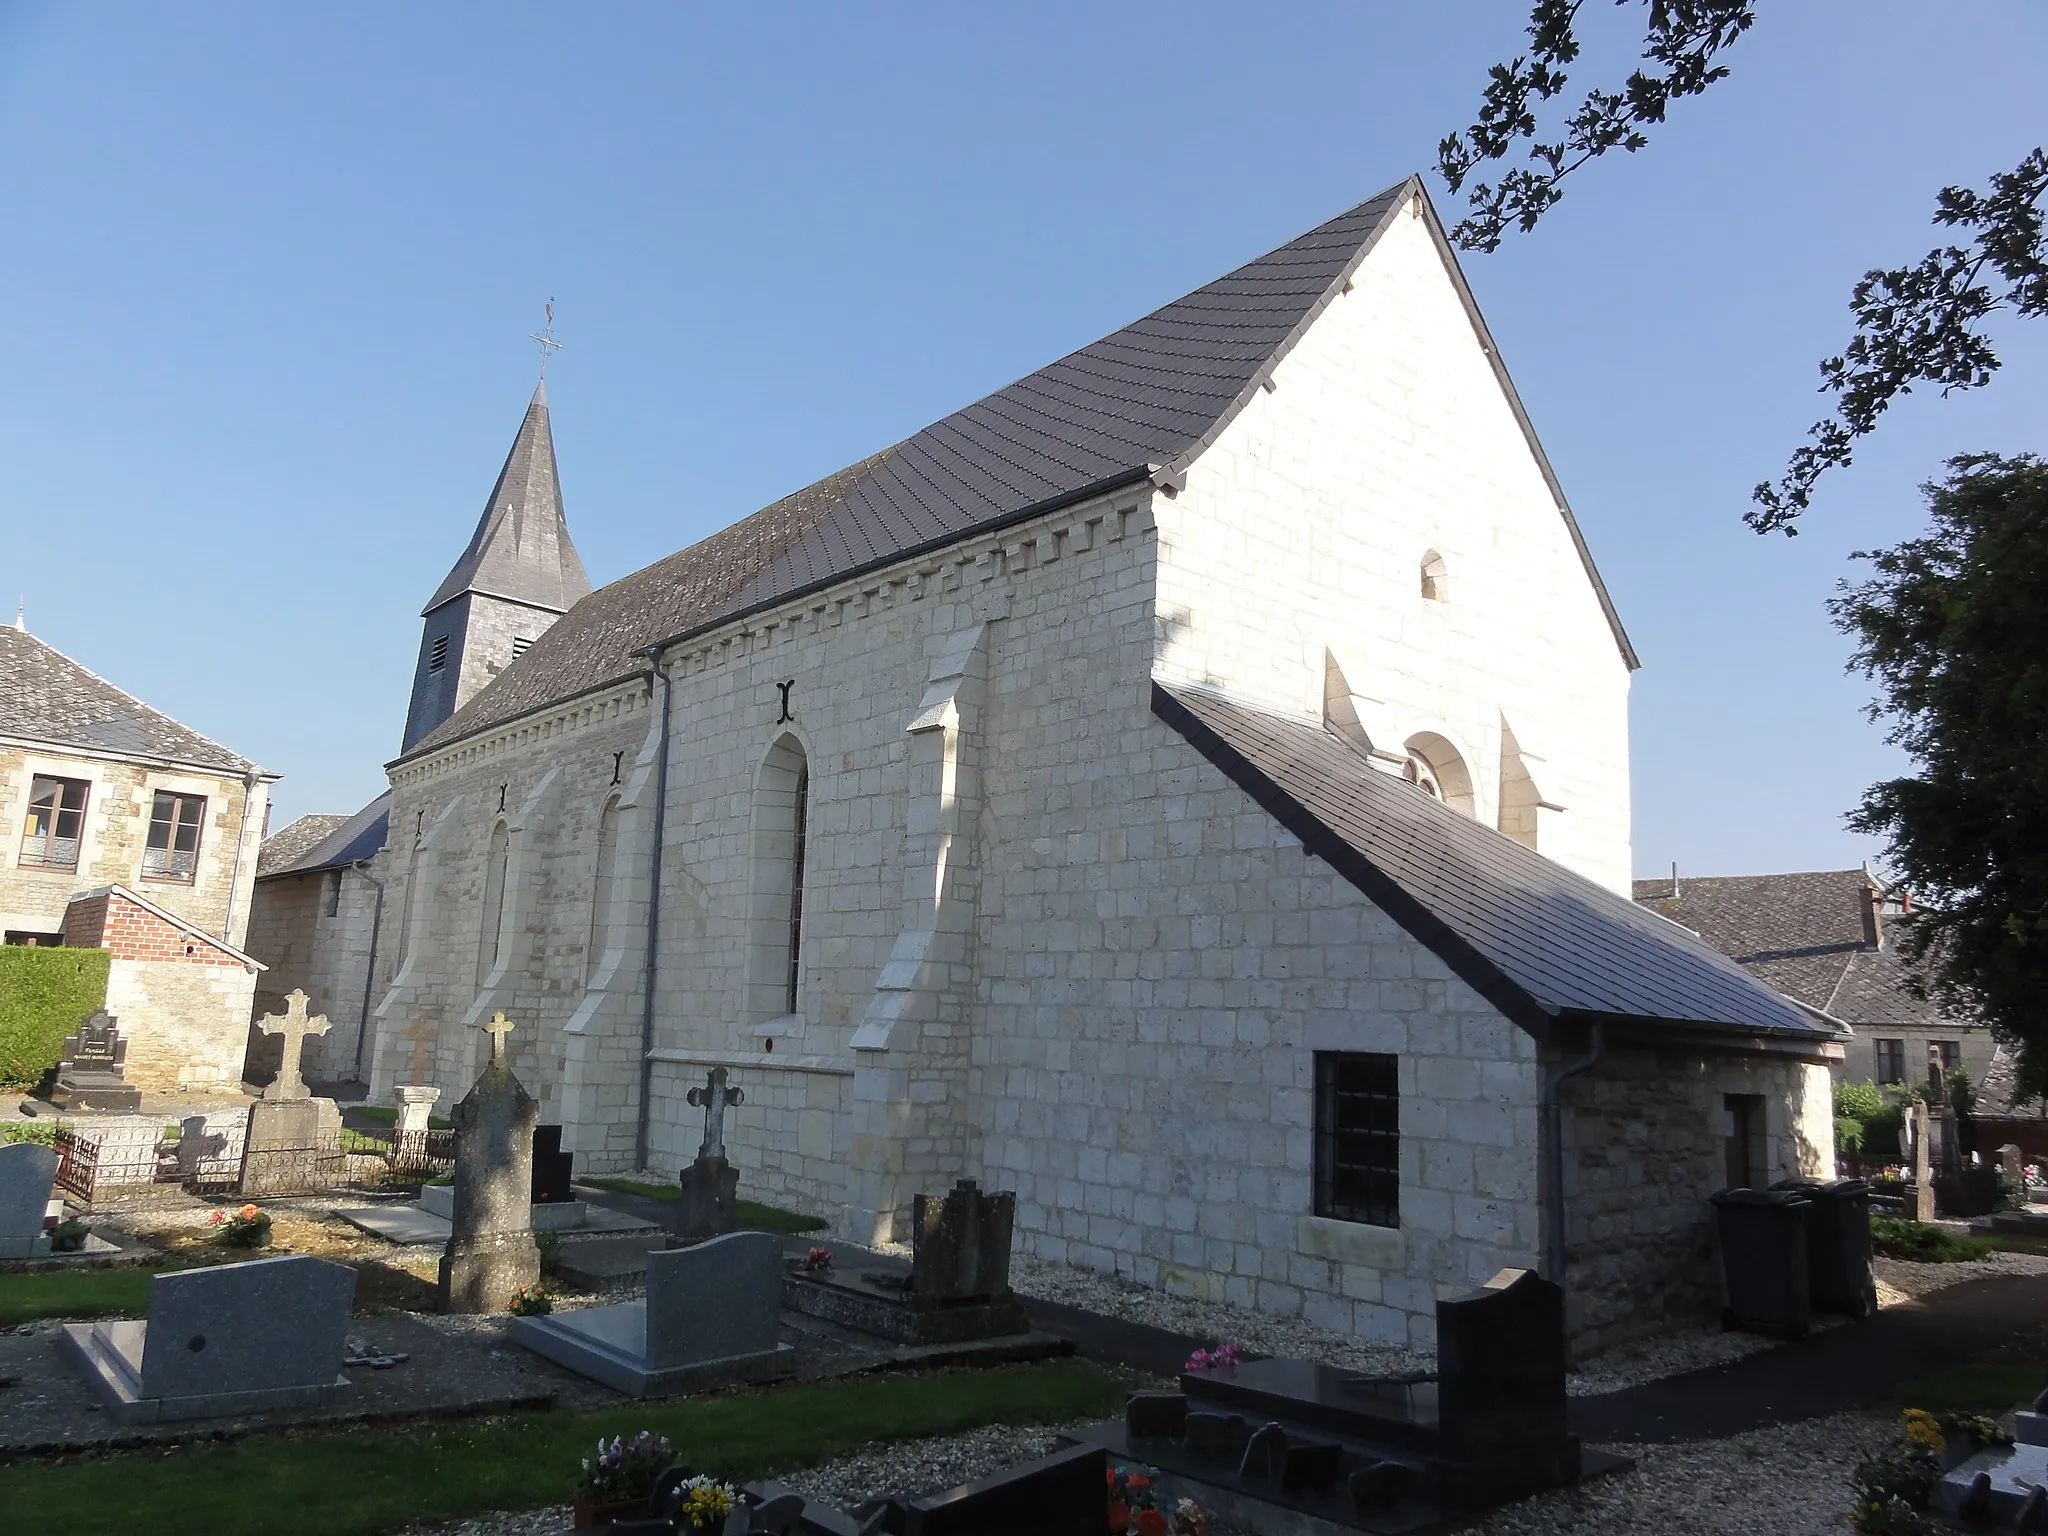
[
  {"x": 1188, "y": 787},
  {"x": 1829, "y": 939},
  {"x": 110, "y": 805}
]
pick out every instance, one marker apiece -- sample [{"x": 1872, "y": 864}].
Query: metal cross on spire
[{"x": 545, "y": 337}]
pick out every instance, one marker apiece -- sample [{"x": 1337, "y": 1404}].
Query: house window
[
  {"x": 1891, "y": 1061},
  {"x": 1950, "y": 1054},
  {"x": 1358, "y": 1138},
  {"x": 173, "y": 850},
  {"x": 1742, "y": 1139},
  {"x": 35, "y": 940},
  {"x": 437, "y": 654},
  {"x": 56, "y": 821}
]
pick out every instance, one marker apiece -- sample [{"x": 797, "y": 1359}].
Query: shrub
[
  {"x": 1848, "y": 1134},
  {"x": 1859, "y": 1101},
  {"x": 1923, "y": 1244},
  {"x": 45, "y": 994}
]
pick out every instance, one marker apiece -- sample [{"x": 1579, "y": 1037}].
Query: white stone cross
[
  {"x": 294, "y": 1026},
  {"x": 713, "y": 1098},
  {"x": 498, "y": 1029}
]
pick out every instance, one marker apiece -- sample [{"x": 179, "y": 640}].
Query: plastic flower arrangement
[
  {"x": 531, "y": 1301},
  {"x": 1974, "y": 1426},
  {"x": 705, "y": 1503},
  {"x": 1924, "y": 1430},
  {"x": 624, "y": 1469},
  {"x": 816, "y": 1262},
  {"x": 1222, "y": 1358},
  {"x": 247, "y": 1228},
  {"x": 1134, "y": 1509}
]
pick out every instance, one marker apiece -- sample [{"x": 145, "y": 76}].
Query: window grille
[
  {"x": 1358, "y": 1138},
  {"x": 173, "y": 850},
  {"x": 520, "y": 646},
  {"x": 55, "y": 825}
]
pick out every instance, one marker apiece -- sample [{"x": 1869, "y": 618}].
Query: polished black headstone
[
  {"x": 960, "y": 1244},
  {"x": 1501, "y": 1364},
  {"x": 1217, "y": 1437},
  {"x": 1381, "y": 1485},
  {"x": 1156, "y": 1415},
  {"x": 1310, "y": 1466},
  {"x": 552, "y": 1167},
  {"x": 1263, "y": 1454},
  {"x": 1065, "y": 1494}
]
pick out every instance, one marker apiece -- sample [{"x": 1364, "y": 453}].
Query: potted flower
[
  {"x": 616, "y": 1481},
  {"x": 816, "y": 1262},
  {"x": 68, "y": 1237},
  {"x": 246, "y": 1228},
  {"x": 1223, "y": 1357},
  {"x": 1135, "y": 1510},
  {"x": 703, "y": 1503},
  {"x": 532, "y": 1301}
]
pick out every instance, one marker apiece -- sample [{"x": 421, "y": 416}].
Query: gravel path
[
  {"x": 1908, "y": 1279},
  {"x": 1791, "y": 1481}
]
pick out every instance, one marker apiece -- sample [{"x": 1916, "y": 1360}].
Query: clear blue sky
[{"x": 267, "y": 274}]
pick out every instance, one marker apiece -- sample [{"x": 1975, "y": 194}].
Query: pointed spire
[
  {"x": 521, "y": 548},
  {"x": 20, "y": 614}
]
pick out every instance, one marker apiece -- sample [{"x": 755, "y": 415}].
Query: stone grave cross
[
  {"x": 713, "y": 1098},
  {"x": 498, "y": 1029},
  {"x": 294, "y": 1026}
]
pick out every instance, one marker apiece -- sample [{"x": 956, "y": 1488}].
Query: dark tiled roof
[
  {"x": 1535, "y": 939},
  {"x": 287, "y": 846},
  {"x": 1800, "y": 933},
  {"x": 46, "y": 696},
  {"x": 1141, "y": 402},
  {"x": 347, "y": 840},
  {"x": 521, "y": 547},
  {"x": 1999, "y": 1096}
]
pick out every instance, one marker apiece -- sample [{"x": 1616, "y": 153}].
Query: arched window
[
  {"x": 1435, "y": 768},
  {"x": 1436, "y": 582},
  {"x": 776, "y": 910},
  {"x": 489, "y": 936},
  {"x": 601, "y": 887}
]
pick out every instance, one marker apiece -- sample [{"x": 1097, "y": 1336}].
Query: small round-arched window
[
  {"x": 1418, "y": 772},
  {"x": 1435, "y": 767},
  {"x": 1436, "y": 582}
]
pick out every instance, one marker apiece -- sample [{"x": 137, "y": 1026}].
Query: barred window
[
  {"x": 173, "y": 850},
  {"x": 56, "y": 821},
  {"x": 1358, "y": 1138}
]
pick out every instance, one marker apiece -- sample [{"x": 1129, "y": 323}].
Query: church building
[{"x": 1188, "y": 787}]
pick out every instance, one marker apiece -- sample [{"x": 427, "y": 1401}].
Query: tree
[
  {"x": 1919, "y": 324},
  {"x": 1953, "y": 629}
]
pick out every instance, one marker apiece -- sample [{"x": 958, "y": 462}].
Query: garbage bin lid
[
  {"x": 1824, "y": 1189},
  {"x": 1778, "y": 1197}
]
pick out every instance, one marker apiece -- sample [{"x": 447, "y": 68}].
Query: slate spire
[
  {"x": 521, "y": 549},
  {"x": 519, "y": 574}
]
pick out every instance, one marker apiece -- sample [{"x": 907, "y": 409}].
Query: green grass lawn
[
  {"x": 362, "y": 1482},
  {"x": 384, "y": 1114},
  {"x": 74, "y": 1293},
  {"x": 1925, "y": 1244},
  {"x": 753, "y": 1214}
]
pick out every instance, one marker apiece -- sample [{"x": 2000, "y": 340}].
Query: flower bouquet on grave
[
  {"x": 616, "y": 1481},
  {"x": 816, "y": 1262},
  {"x": 531, "y": 1301},
  {"x": 703, "y": 1503},
  {"x": 1134, "y": 1509},
  {"x": 247, "y": 1228},
  {"x": 1223, "y": 1357}
]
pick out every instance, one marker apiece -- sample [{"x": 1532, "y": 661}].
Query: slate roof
[
  {"x": 1802, "y": 934},
  {"x": 46, "y": 696},
  {"x": 521, "y": 548},
  {"x": 1998, "y": 1096},
  {"x": 345, "y": 840},
  {"x": 1140, "y": 404},
  {"x": 1538, "y": 941}
]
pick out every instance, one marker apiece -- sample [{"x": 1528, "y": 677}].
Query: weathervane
[{"x": 546, "y": 338}]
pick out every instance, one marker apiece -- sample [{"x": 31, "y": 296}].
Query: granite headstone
[
  {"x": 234, "y": 1338},
  {"x": 491, "y": 1253},
  {"x": 90, "y": 1069},
  {"x": 710, "y": 1185},
  {"x": 27, "y": 1173},
  {"x": 960, "y": 1244},
  {"x": 552, "y": 1167}
]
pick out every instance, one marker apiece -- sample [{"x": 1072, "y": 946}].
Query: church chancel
[{"x": 1188, "y": 788}]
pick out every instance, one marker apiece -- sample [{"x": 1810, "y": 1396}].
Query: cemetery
[{"x": 210, "y": 1306}]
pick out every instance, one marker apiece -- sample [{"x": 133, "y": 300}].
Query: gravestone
[
  {"x": 710, "y": 1203},
  {"x": 1064, "y": 1494},
  {"x": 961, "y": 1244},
  {"x": 1501, "y": 1396},
  {"x": 1922, "y": 1206},
  {"x": 709, "y": 1317},
  {"x": 89, "y": 1072},
  {"x": 292, "y": 1144},
  {"x": 415, "y": 1110},
  {"x": 490, "y": 1251},
  {"x": 552, "y": 1167},
  {"x": 2012, "y": 1163},
  {"x": 235, "y": 1338},
  {"x": 27, "y": 1174}
]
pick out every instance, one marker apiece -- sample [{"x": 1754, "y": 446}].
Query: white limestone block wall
[
  {"x": 187, "y": 1025},
  {"x": 1300, "y": 540}
]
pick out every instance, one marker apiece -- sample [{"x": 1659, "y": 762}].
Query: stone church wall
[
  {"x": 1645, "y": 1147},
  {"x": 320, "y": 952},
  {"x": 1298, "y": 546}
]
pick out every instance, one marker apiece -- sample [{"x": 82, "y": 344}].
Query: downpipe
[
  {"x": 1553, "y": 1116},
  {"x": 655, "y": 669}
]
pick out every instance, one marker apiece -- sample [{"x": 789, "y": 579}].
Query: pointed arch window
[
  {"x": 489, "y": 931},
  {"x": 796, "y": 887},
  {"x": 601, "y": 886},
  {"x": 1436, "y": 581}
]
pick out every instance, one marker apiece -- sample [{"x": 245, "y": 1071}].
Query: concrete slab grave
[
  {"x": 237, "y": 1338},
  {"x": 709, "y": 1318},
  {"x": 28, "y": 1172}
]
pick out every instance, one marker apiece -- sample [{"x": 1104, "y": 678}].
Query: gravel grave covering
[{"x": 1909, "y": 1279}]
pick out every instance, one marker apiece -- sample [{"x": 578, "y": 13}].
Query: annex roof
[
  {"x": 1802, "y": 934},
  {"x": 1538, "y": 941},
  {"x": 184, "y": 925},
  {"x": 521, "y": 548},
  {"x": 47, "y": 697},
  {"x": 334, "y": 841},
  {"x": 1141, "y": 404}
]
